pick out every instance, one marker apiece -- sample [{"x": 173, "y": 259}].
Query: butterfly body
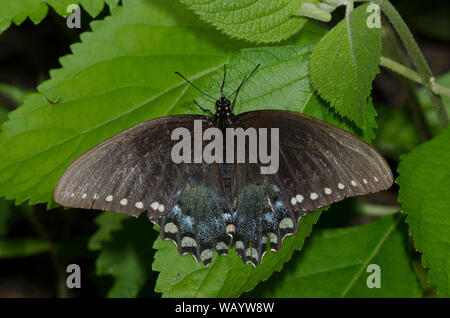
[{"x": 203, "y": 206}]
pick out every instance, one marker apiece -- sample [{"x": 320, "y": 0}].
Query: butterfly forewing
[{"x": 130, "y": 172}]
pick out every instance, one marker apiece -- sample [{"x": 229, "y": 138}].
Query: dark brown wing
[
  {"x": 134, "y": 172},
  {"x": 318, "y": 164},
  {"x": 130, "y": 172}
]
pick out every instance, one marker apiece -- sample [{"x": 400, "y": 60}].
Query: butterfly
[{"x": 203, "y": 206}]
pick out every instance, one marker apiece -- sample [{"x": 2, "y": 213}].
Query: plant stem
[
  {"x": 393, "y": 48},
  {"x": 400, "y": 69},
  {"x": 412, "y": 75},
  {"x": 416, "y": 56}
]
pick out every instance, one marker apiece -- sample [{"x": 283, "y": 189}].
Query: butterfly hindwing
[
  {"x": 198, "y": 222},
  {"x": 260, "y": 215}
]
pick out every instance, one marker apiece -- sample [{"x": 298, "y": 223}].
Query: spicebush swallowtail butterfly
[{"x": 213, "y": 206}]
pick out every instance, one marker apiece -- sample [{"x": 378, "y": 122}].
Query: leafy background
[{"x": 75, "y": 88}]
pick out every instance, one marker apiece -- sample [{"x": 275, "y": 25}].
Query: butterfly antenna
[
  {"x": 195, "y": 86},
  {"x": 224, "y": 77},
  {"x": 245, "y": 80}
]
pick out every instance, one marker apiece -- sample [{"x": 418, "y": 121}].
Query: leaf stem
[
  {"x": 416, "y": 56},
  {"x": 394, "y": 48},
  {"x": 412, "y": 75}
]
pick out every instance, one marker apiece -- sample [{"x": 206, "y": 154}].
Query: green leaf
[
  {"x": 120, "y": 75},
  {"x": 17, "y": 11},
  {"x": 22, "y": 247},
  {"x": 12, "y": 92},
  {"x": 126, "y": 252},
  {"x": 3, "y": 114},
  {"x": 272, "y": 87},
  {"x": 260, "y": 21},
  {"x": 344, "y": 64},
  {"x": 334, "y": 263},
  {"x": 226, "y": 276},
  {"x": 425, "y": 196},
  {"x": 107, "y": 223},
  {"x": 320, "y": 109}
]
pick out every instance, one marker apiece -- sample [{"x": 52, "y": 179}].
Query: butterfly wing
[
  {"x": 318, "y": 164},
  {"x": 129, "y": 172},
  {"x": 133, "y": 172}
]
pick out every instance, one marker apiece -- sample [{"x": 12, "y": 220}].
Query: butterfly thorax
[{"x": 224, "y": 116}]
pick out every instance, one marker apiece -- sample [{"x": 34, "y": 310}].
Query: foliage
[
  {"x": 425, "y": 195},
  {"x": 264, "y": 21},
  {"x": 36, "y": 10},
  {"x": 121, "y": 73},
  {"x": 344, "y": 64},
  {"x": 335, "y": 260},
  {"x": 125, "y": 254}
]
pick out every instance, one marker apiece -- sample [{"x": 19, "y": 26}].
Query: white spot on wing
[
  {"x": 170, "y": 228},
  {"x": 365, "y": 181},
  {"x": 123, "y": 202},
  {"x": 341, "y": 186},
  {"x": 139, "y": 205},
  {"x": 293, "y": 201},
  {"x": 353, "y": 182},
  {"x": 376, "y": 179},
  {"x": 221, "y": 246},
  {"x": 109, "y": 198},
  {"x": 239, "y": 245},
  {"x": 154, "y": 205},
  {"x": 327, "y": 191},
  {"x": 206, "y": 254},
  {"x": 84, "y": 196},
  {"x": 299, "y": 198},
  {"x": 252, "y": 252},
  {"x": 286, "y": 223},
  {"x": 188, "y": 242},
  {"x": 314, "y": 196},
  {"x": 273, "y": 238},
  {"x": 161, "y": 208}
]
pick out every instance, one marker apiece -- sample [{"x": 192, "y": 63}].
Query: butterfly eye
[
  {"x": 217, "y": 103},
  {"x": 227, "y": 103}
]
